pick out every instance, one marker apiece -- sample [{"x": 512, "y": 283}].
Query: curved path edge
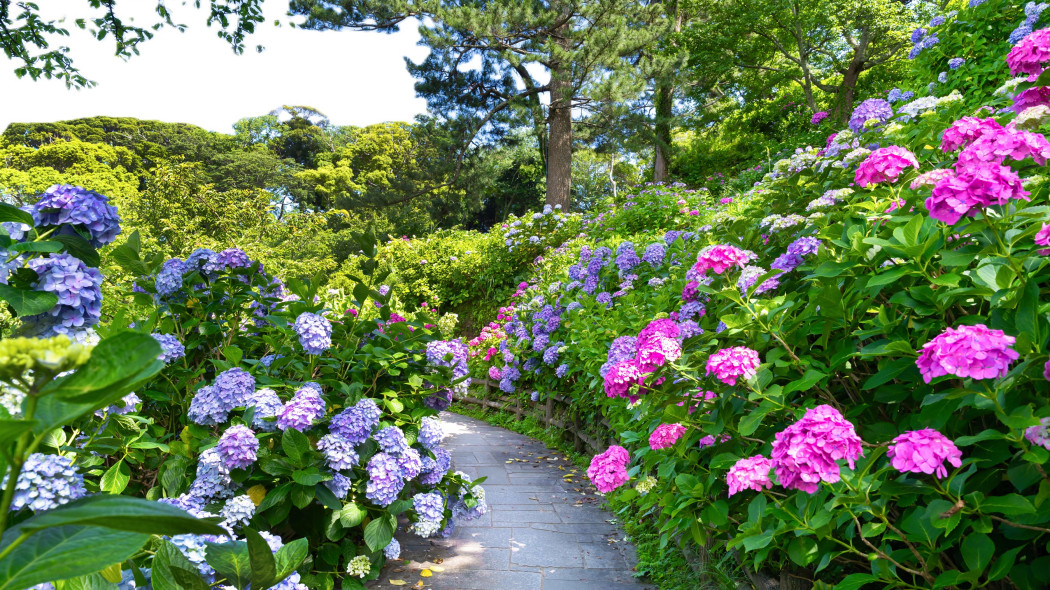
[{"x": 545, "y": 529}]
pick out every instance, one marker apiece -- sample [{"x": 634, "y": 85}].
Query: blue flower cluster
[
  {"x": 452, "y": 354},
  {"x": 384, "y": 479},
  {"x": 238, "y": 511},
  {"x": 355, "y": 424},
  {"x": 169, "y": 277},
  {"x": 63, "y": 204},
  {"x": 46, "y": 482},
  {"x": 213, "y": 477},
  {"x": 79, "y": 291},
  {"x": 171, "y": 348},
  {"x": 1032, "y": 13},
  {"x": 315, "y": 332},
  {"x": 922, "y": 42},
  {"x": 267, "y": 405},
  {"x": 391, "y": 440},
  {"x": 429, "y": 506},
  {"x": 654, "y": 254},
  {"x": 792, "y": 258},
  {"x": 339, "y": 453},
  {"x": 431, "y": 433}
]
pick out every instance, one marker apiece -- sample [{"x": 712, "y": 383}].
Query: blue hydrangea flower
[
  {"x": 550, "y": 356},
  {"x": 573, "y": 306},
  {"x": 238, "y": 447},
  {"x": 126, "y": 405},
  {"x": 213, "y": 477},
  {"x": 46, "y": 482},
  {"x": 64, "y": 204},
  {"x": 411, "y": 464},
  {"x": 956, "y": 62},
  {"x": 79, "y": 291},
  {"x": 750, "y": 274},
  {"x": 206, "y": 408},
  {"x": 654, "y": 254},
  {"x": 562, "y": 370},
  {"x": 234, "y": 387},
  {"x": 169, "y": 278},
  {"x": 918, "y": 34},
  {"x": 937, "y": 21},
  {"x": 534, "y": 396},
  {"x": 942, "y": 77},
  {"x": 689, "y": 328},
  {"x": 238, "y": 511},
  {"x": 460, "y": 508},
  {"x": 392, "y": 550},
  {"x": 720, "y": 327},
  {"x": 267, "y": 405},
  {"x": 227, "y": 259},
  {"x": 315, "y": 332},
  {"x": 1020, "y": 33},
  {"x": 429, "y": 506},
  {"x": 199, "y": 258},
  {"x": 268, "y": 360},
  {"x": 690, "y": 310},
  {"x": 356, "y": 423},
  {"x": 303, "y": 410},
  {"x": 431, "y": 432},
  {"x": 339, "y": 453},
  {"x": 894, "y": 95},
  {"x": 391, "y": 440},
  {"x": 626, "y": 257},
  {"x": 384, "y": 479},
  {"x": 339, "y": 485},
  {"x": 171, "y": 348}
]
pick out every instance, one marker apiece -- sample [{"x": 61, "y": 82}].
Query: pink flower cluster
[
  {"x": 965, "y": 131},
  {"x": 973, "y": 188},
  {"x": 730, "y": 364},
  {"x": 726, "y": 200},
  {"x": 805, "y": 453},
  {"x": 967, "y": 351},
  {"x": 923, "y": 451},
  {"x": 930, "y": 178},
  {"x": 621, "y": 377},
  {"x": 494, "y": 373},
  {"x": 997, "y": 145},
  {"x": 1033, "y": 97},
  {"x": 884, "y": 165},
  {"x": 665, "y": 436},
  {"x": 1029, "y": 55},
  {"x": 721, "y": 257},
  {"x": 1040, "y": 433},
  {"x": 608, "y": 470},
  {"x": 1042, "y": 238},
  {"x": 751, "y": 473},
  {"x": 818, "y": 117},
  {"x": 658, "y": 343}
]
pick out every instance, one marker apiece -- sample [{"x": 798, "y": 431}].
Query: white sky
[{"x": 355, "y": 78}]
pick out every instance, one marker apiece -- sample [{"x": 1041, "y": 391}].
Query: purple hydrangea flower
[
  {"x": 303, "y": 410},
  {"x": 429, "y": 506},
  {"x": 315, "y": 332},
  {"x": 873, "y": 108},
  {"x": 410, "y": 463},
  {"x": 690, "y": 310},
  {"x": 126, "y": 405},
  {"x": 171, "y": 348},
  {"x": 391, "y": 440},
  {"x": 238, "y": 447},
  {"x": 431, "y": 433},
  {"x": 460, "y": 508},
  {"x": 199, "y": 258},
  {"x": 64, "y": 204},
  {"x": 206, "y": 408},
  {"x": 227, "y": 259},
  {"x": 79, "y": 291},
  {"x": 918, "y": 34},
  {"x": 46, "y": 482},
  {"x": 956, "y": 62},
  {"x": 384, "y": 479},
  {"x": 234, "y": 387},
  {"x": 339, "y": 453},
  {"x": 550, "y": 356},
  {"x": 562, "y": 370},
  {"x": 689, "y": 328},
  {"x": 356, "y": 423},
  {"x": 654, "y": 254},
  {"x": 626, "y": 257},
  {"x": 339, "y": 485}
]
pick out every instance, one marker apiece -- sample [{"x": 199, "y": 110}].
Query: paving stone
[{"x": 539, "y": 533}]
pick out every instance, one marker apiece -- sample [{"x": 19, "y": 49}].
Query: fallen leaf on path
[
  {"x": 398, "y": 583},
  {"x": 426, "y": 573}
]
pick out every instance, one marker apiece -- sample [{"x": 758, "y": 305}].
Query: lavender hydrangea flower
[
  {"x": 303, "y": 410},
  {"x": 79, "y": 291},
  {"x": 227, "y": 259},
  {"x": 267, "y": 405},
  {"x": 63, "y": 204},
  {"x": 199, "y": 258},
  {"x": 626, "y": 257},
  {"x": 654, "y": 254},
  {"x": 234, "y": 387},
  {"x": 356, "y": 423},
  {"x": 429, "y": 506},
  {"x": 171, "y": 348},
  {"x": 238, "y": 447},
  {"x": 550, "y": 356},
  {"x": 875, "y": 109},
  {"x": 213, "y": 477},
  {"x": 339, "y": 485},
  {"x": 460, "y": 509},
  {"x": 431, "y": 433},
  {"x": 562, "y": 370},
  {"x": 169, "y": 278},
  {"x": 392, "y": 550},
  {"x": 238, "y": 511},
  {"x": 391, "y": 440},
  {"x": 46, "y": 482},
  {"x": 206, "y": 408},
  {"x": 315, "y": 332},
  {"x": 384, "y": 479},
  {"x": 955, "y": 63},
  {"x": 339, "y": 453},
  {"x": 411, "y": 464}
]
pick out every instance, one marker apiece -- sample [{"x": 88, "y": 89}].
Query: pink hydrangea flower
[
  {"x": 964, "y": 131},
  {"x": 815, "y": 120},
  {"x": 665, "y": 436},
  {"x": 923, "y": 451},
  {"x": 996, "y": 145},
  {"x": 971, "y": 189},
  {"x": 710, "y": 440},
  {"x": 608, "y": 470},
  {"x": 1046, "y": 370},
  {"x": 730, "y": 364},
  {"x": 805, "y": 453},
  {"x": 495, "y": 373},
  {"x": 1042, "y": 238},
  {"x": 974, "y": 351},
  {"x": 721, "y": 257},
  {"x": 654, "y": 352},
  {"x": 621, "y": 377},
  {"x": 1033, "y": 97},
  {"x": 659, "y": 328},
  {"x": 930, "y": 178},
  {"x": 884, "y": 165},
  {"x": 1040, "y": 433},
  {"x": 726, "y": 200},
  {"x": 751, "y": 473},
  {"x": 698, "y": 398},
  {"x": 1029, "y": 55}
]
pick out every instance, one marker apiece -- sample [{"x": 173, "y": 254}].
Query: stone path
[{"x": 545, "y": 529}]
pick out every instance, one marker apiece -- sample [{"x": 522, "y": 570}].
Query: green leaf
[
  {"x": 172, "y": 571},
  {"x": 128, "y": 259},
  {"x": 87, "y": 582},
  {"x": 27, "y": 303},
  {"x": 977, "y": 551},
  {"x": 80, "y": 248},
  {"x": 1010, "y": 504},
  {"x": 123, "y": 513},
  {"x": 750, "y": 422},
  {"x": 9, "y": 212},
  {"x": 65, "y": 552},
  {"x": 47, "y": 246},
  {"x": 803, "y": 550},
  {"x": 378, "y": 534},
  {"x": 233, "y": 354},
  {"x": 118, "y": 363},
  {"x": 231, "y": 561},
  {"x": 758, "y": 541},
  {"x": 264, "y": 567},
  {"x": 307, "y": 477},
  {"x": 296, "y": 446},
  {"x": 351, "y": 515},
  {"x": 855, "y": 581},
  {"x": 12, "y": 429},
  {"x": 290, "y": 557},
  {"x": 1002, "y": 566},
  {"x": 326, "y": 497},
  {"x": 116, "y": 478}
]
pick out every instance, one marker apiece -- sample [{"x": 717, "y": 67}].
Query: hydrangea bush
[{"x": 842, "y": 372}]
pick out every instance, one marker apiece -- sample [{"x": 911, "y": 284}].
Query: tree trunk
[
  {"x": 664, "y": 111},
  {"x": 847, "y": 90},
  {"x": 559, "y": 120}
]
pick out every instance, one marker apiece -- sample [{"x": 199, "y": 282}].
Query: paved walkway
[{"x": 545, "y": 529}]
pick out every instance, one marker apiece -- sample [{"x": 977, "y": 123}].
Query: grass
[{"x": 664, "y": 566}]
